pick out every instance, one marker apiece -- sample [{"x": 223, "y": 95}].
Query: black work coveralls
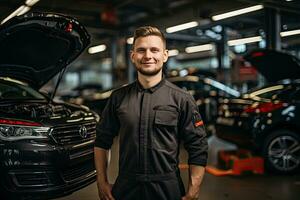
[{"x": 151, "y": 123}]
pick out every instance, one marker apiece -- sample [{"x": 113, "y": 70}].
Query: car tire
[{"x": 281, "y": 151}]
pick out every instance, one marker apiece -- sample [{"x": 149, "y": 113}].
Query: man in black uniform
[{"x": 151, "y": 116}]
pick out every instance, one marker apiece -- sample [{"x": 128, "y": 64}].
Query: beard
[{"x": 148, "y": 72}]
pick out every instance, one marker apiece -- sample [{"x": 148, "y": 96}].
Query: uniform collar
[{"x": 152, "y": 89}]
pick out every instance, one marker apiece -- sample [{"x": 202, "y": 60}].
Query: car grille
[
  {"x": 82, "y": 170},
  {"x": 34, "y": 179},
  {"x": 71, "y": 134}
]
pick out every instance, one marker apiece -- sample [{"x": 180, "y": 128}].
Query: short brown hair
[{"x": 147, "y": 31}]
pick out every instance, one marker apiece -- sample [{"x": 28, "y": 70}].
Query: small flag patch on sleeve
[{"x": 199, "y": 123}]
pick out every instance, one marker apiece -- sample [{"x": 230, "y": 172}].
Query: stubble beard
[{"x": 148, "y": 73}]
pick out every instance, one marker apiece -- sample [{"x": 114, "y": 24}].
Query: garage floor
[{"x": 246, "y": 187}]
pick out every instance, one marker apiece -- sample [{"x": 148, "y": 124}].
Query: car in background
[
  {"x": 87, "y": 89},
  {"x": 46, "y": 148},
  {"x": 207, "y": 92},
  {"x": 266, "y": 120},
  {"x": 96, "y": 101}
]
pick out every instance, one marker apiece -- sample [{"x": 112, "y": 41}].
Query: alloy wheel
[{"x": 284, "y": 152}]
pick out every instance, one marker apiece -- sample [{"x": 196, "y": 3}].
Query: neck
[{"x": 149, "y": 81}]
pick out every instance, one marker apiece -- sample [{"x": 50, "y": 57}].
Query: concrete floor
[{"x": 246, "y": 187}]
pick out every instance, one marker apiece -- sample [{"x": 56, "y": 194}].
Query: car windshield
[{"x": 12, "y": 90}]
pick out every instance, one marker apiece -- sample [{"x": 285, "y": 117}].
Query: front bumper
[{"x": 43, "y": 170}]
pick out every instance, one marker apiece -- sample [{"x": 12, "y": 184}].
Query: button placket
[{"x": 144, "y": 128}]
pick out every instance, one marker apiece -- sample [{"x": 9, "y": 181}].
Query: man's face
[{"x": 149, "y": 55}]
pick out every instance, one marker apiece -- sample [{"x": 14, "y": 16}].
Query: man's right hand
[
  {"x": 104, "y": 188},
  {"x": 104, "y": 191}
]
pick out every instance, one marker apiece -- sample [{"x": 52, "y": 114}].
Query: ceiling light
[
  {"x": 97, "y": 49},
  {"x": 129, "y": 40},
  {"x": 237, "y": 12},
  {"x": 181, "y": 27},
  {"x": 21, "y": 10},
  {"x": 173, "y": 52},
  {"x": 31, "y": 2},
  {"x": 24, "y": 10},
  {"x": 244, "y": 40},
  {"x": 288, "y": 33},
  {"x": 193, "y": 49}
]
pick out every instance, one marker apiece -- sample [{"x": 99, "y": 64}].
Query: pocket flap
[{"x": 166, "y": 117}]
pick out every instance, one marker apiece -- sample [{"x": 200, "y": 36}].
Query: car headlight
[{"x": 11, "y": 130}]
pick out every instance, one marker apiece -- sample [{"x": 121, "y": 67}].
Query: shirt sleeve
[
  {"x": 192, "y": 132},
  {"x": 108, "y": 126}
]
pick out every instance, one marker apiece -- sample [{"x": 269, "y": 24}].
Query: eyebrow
[{"x": 144, "y": 48}]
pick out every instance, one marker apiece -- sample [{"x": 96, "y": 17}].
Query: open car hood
[
  {"x": 35, "y": 47},
  {"x": 274, "y": 65}
]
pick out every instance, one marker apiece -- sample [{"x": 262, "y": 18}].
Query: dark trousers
[{"x": 140, "y": 187}]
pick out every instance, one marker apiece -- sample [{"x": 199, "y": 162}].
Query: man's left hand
[
  {"x": 196, "y": 174},
  {"x": 192, "y": 194}
]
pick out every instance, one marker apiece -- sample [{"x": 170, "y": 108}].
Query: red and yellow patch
[
  {"x": 196, "y": 119},
  {"x": 198, "y": 123}
]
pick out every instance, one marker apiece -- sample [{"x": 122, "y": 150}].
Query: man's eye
[
  {"x": 140, "y": 50},
  {"x": 155, "y": 50}
]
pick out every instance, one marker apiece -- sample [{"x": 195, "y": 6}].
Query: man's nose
[{"x": 148, "y": 54}]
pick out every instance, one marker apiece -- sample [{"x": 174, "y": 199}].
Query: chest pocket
[
  {"x": 166, "y": 117},
  {"x": 165, "y": 129}
]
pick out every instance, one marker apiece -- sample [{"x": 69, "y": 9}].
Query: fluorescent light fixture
[
  {"x": 244, "y": 40},
  {"x": 221, "y": 86},
  {"x": 259, "y": 38},
  {"x": 24, "y": 10},
  {"x": 181, "y": 27},
  {"x": 193, "y": 49},
  {"x": 21, "y": 10},
  {"x": 31, "y": 2},
  {"x": 173, "y": 52},
  {"x": 262, "y": 91},
  {"x": 129, "y": 40},
  {"x": 237, "y": 12},
  {"x": 288, "y": 33},
  {"x": 97, "y": 49}
]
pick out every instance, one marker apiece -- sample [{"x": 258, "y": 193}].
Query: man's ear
[
  {"x": 166, "y": 55},
  {"x": 131, "y": 55}
]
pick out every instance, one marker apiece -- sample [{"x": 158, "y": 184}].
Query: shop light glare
[
  {"x": 173, "y": 52},
  {"x": 288, "y": 33},
  {"x": 129, "y": 40},
  {"x": 24, "y": 10},
  {"x": 31, "y": 2},
  {"x": 181, "y": 27},
  {"x": 97, "y": 49},
  {"x": 193, "y": 49},
  {"x": 237, "y": 12},
  {"x": 244, "y": 41},
  {"x": 21, "y": 10}
]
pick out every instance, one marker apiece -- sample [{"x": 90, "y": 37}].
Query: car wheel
[{"x": 282, "y": 152}]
